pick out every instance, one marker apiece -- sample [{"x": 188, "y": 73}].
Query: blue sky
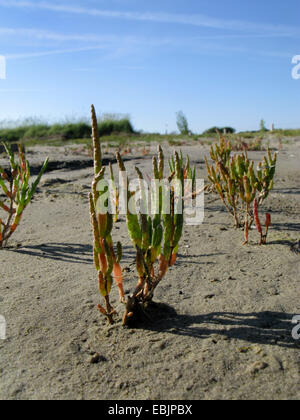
[{"x": 222, "y": 62}]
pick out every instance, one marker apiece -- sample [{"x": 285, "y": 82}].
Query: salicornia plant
[
  {"x": 238, "y": 184},
  {"x": 16, "y": 190},
  {"x": 106, "y": 258},
  {"x": 155, "y": 233}
]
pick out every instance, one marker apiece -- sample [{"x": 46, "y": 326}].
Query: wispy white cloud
[
  {"x": 104, "y": 40},
  {"x": 118, "y": 40},
  {"x": 51, "y": 52},
  {"x": 24, "y": 90},
  {"x": 55, "y": 36},
  {"x": 116, "y": 46},
  {"x": 117, "y": 52},
  {"x": 161, "y": 17}
]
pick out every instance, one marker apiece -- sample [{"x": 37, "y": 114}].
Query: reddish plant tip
[
  {"x": 101, "y": 309},
  {"x": 118, "y": 276},
  {"x": 173, "y": 260},
  {"x": 117, "y": 273},
  {"x": 13, "y": 227},
  {"x": 268, "y": 220}
]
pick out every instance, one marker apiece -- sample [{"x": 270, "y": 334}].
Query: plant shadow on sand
[
  {"x": 295, "y": 247},
  {"x": 76, "y": 253},
  {"x": 286, "y": 227},
  {"x": 270, "y": 328},
  {"x": 188, "y": 259},
  {"x": 287, "y": 190},
  {"x": 67, "y": 252}
]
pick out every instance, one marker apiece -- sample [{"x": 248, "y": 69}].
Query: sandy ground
[{"x": 221, "y": 327}]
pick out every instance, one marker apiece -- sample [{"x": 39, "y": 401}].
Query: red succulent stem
[
  {"x": 257, "y": 221},
  {"x": 246, "y": 229}
]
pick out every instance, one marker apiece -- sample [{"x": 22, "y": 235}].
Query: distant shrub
[
  {"x": 250, "y": 134},
  {"x": 221, "y": 130},
  {"x": 288, "y": 132},
  {"x": 12, "y": 135},
  {"x": 108, "y": 127},
  {"x": 71, "y": 130},
  {"x": 36, "y": 132},
  {"x": 65, "y": 131}
]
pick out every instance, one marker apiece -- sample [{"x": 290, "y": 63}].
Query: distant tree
[
  {"x": 182, "y": 123},
  {"x": 262, "y": 125},
  {"x": 229, "y": 130},
  {"x": 221, "y": 130}
]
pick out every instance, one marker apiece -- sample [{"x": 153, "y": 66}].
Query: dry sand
[{"x": 221, "y": 327}]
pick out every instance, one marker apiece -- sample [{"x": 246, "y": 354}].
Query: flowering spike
[
  {"x": 96, "y": 141},
  {"x": 161, "y": 162}
]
